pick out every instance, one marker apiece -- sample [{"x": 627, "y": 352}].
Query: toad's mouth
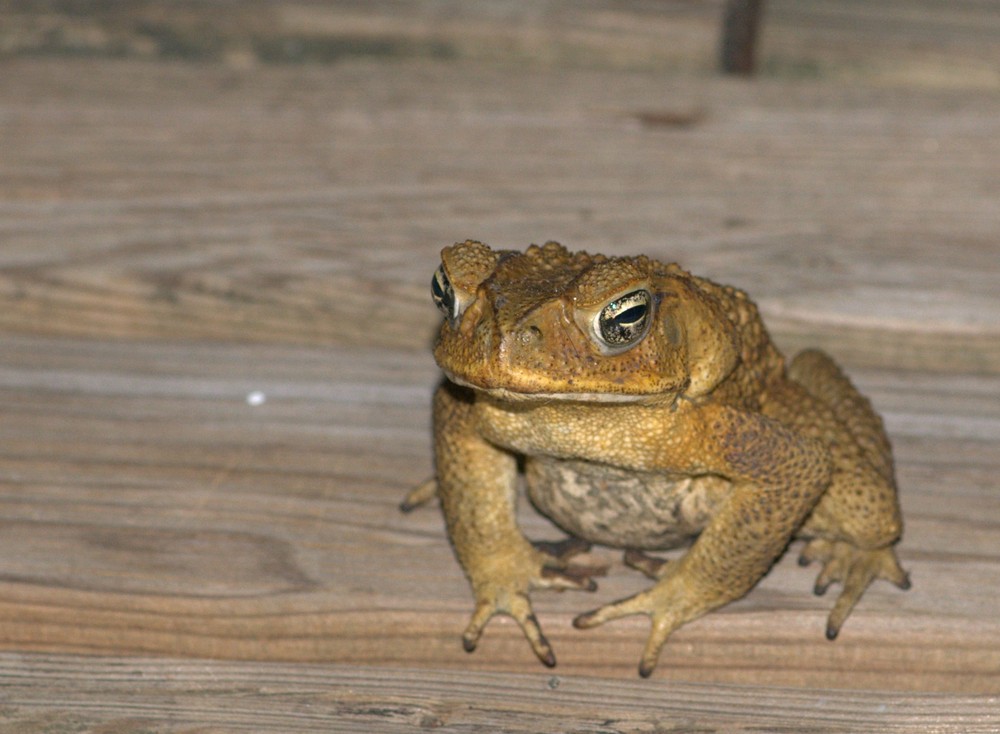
[{"x": 510, "y": 395}]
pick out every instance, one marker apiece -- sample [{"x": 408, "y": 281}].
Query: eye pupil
[
  {"x": 631, "y": 316},
  {"x": 623, "y": 321},
  {"x": 442, "y": 292}
]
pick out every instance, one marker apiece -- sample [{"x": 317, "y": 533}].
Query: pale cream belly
[{"x": 623, "y": 509}]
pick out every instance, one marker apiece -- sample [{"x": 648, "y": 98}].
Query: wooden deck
[{"x": 215, "y": 370}]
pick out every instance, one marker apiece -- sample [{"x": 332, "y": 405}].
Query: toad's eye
[
  {"x": 442, "y": 293},
  {"x": 623, "y": 322}
]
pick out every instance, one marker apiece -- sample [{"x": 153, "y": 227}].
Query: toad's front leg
[
  {"x": 777, "y": 477},
  {"x": 477, "y": 484}
]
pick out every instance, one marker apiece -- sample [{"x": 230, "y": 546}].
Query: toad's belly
[{"x": 623, "y": 509}]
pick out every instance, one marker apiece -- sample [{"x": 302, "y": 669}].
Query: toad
[{"x": 647, "y": 409}]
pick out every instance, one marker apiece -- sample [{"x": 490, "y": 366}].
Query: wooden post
[{"x": 740, "y": 21}]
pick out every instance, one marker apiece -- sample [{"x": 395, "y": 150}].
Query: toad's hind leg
[
  {"x": 823, "y": 379},
  {"x": 857, "y": 521}
]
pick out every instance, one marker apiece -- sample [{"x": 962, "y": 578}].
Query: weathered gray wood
[
  {"x": 175, "y": 237},
  {"x": 869, "y": 214},
  {"x": 149, "y": 508},
  {"x": 131, "y": 695}
]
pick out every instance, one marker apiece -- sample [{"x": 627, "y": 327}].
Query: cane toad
[{"x": 648, "y": 409}]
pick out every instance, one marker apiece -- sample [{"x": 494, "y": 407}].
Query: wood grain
[
  {"x": 133, "y": 695},
  {"x": 177, "y": 236},
  {"x": 149, "y": 509}
]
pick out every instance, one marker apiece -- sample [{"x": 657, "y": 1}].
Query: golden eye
[
  {"x": 442, "y": 293},
  {"x": 623, "y": 321}
]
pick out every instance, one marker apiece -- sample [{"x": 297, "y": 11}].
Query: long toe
[{"x": 856, "y": 569}]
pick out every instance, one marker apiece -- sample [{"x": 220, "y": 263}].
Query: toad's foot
[
  {"x": 855, "y": 568},
  {"x": 561, "y": 554},
  {"x": 669, "y": 604},
  {"x": 505, "y": 588},
  {"x": 651, "y": 566},
  {"x": 419, "y": 495},
  {"x": 562, "y": 550}
]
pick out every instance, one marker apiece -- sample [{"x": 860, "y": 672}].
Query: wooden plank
[
  {"x": 132, "y": 695},
  {"x": 922, "y": 42},
  {"x": 149, "y": 509},
  {"x": 830, "y": 218}
]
